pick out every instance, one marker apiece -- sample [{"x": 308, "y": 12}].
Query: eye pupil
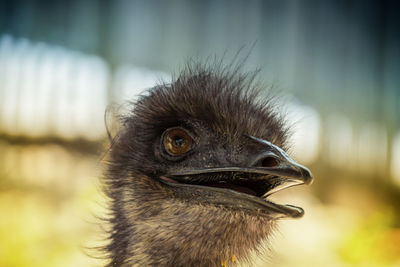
[{"x": 179, "y": 141}]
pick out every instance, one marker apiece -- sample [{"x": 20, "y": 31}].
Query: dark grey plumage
[{"x": 164, "y": 211}]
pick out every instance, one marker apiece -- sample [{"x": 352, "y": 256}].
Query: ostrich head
[{"x": 191, "y": 171}]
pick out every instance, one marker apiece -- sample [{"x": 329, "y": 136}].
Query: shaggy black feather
[{"x": 151, "y": 226}]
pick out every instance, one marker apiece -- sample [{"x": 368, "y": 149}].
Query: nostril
[{"x": 268, "y": 162}]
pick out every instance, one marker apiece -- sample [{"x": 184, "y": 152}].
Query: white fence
[{"x": 49, "y": 90}]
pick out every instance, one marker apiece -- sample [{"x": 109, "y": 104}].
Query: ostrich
[{"x": 191, "y": 169}]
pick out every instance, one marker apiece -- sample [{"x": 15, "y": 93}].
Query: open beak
[{"x": 268, "y": 170}]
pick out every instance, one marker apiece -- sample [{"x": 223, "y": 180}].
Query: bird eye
[{"x": 177, "y": 141}]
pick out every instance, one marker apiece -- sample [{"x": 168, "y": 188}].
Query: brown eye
[{"x": 177, "y": 141}]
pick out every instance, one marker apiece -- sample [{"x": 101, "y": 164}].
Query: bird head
[{"x": 206, "y": 140}]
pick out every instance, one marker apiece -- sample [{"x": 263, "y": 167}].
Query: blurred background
[{"x": 336, "y": 65}]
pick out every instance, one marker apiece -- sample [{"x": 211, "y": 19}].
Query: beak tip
[
  {"x": 297, "y": 212},
  {"x": 307, "y": 176}
]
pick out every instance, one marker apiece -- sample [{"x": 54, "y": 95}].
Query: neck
[{"x": 151, "y": 228}]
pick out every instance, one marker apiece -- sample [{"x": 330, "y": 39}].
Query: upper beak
[
  {"x": 266, "y": 161},
  {"x": 273, "y": 160}
]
